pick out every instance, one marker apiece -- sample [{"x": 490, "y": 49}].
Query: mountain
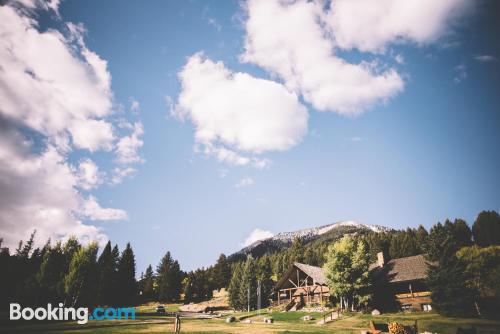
[{"x": 325, "y": 233}]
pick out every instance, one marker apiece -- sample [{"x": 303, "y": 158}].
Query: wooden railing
[
  {"x": 413, "y": 295},
  {"x": 329, "y": 314}
]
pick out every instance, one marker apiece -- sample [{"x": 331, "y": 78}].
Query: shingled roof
[
  {"x": 316, "y": 273},
  {"x": 403, "y": 269}
]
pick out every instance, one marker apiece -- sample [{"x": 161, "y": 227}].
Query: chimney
[{"x": 380, "y": 259}]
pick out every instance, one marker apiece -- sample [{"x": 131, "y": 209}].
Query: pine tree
[
  {"x": 265, "y": 278},
  {"x": 169, "y": 279},
  {"x": 486, "y": 229},
  {"x": 234, "y": 287},
  {"x": 148, "y": 284},
  {"x": 248, "y": 287},
  {"x": 222, "y": 272},
  {"x": 126, "y": 277},
  {"x": 51, "y": 275},
  {"x": 107, "y": 273}
]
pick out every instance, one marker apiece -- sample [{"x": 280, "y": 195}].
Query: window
[
  {"x": 426, "y": 307},
  {"x": 406, "y": 307}
]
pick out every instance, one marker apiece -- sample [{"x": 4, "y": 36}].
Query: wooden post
[{"x": 279, "y": 293}]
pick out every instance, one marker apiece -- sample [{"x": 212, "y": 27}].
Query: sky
[{"x": 200, "y": 126}]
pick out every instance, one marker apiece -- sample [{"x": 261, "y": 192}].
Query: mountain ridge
[{"x": 283, "y": 239}]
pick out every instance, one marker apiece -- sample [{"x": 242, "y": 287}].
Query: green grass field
[{"x": 289, "y": 322}]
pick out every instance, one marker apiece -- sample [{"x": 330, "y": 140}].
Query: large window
[{"x": 426, "y": 307}]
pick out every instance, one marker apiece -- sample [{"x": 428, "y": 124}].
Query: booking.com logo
[{"x": 81, "y": 314}]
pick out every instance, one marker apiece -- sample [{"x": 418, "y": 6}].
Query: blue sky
[{"x": 421, "y": 150}]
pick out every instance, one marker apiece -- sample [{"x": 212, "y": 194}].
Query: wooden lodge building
[
  {"x": 398, "y": 284},
  {"x": 301, "y": 282}
]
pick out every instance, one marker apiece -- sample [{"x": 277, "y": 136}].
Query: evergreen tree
[
  {"x": 482, "y": 272},
  {"x": 248, "y": 287},
  {"x": 234, "y": 287},
  {"x": 296, "y": 252},
  {"x": 126, "y": 277},
  {"x": 115, "y": 292},
  {"x": 421, "y": 237},
  {"x": 265, "y": 278},
  {"x": 169, "y": 279},
  {"x": 486, "y": 229},
  {"x": 446, "y": 277},
  {"x": 188, "y": 284},
  {"x": 148, "y": 284},
  {"x": 51, "y": 275},
  {"x": 222, "y": 272},
  {"x": 107, "y": 274}
]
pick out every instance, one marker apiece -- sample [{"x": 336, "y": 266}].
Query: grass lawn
[{"x": 283, "y": 323}]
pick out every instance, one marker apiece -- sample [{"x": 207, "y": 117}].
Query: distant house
[
  {"x": 398, "y": 283},
  {"x": 301, "y": 282},
  {"x": 401, "y": 283}
]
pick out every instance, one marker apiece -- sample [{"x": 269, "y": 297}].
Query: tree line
[{"x": 464, "y": 278}]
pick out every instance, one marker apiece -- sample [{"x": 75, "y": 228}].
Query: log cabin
[
  {"x": 401, "y": 283},
  {"x": 301, "y": 283},
  {"x": 398, "y": 283}
]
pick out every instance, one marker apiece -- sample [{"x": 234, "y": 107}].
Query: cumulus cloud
[
  {"x": 257, "y": 235},
  {"x": 53, "y": 91},
  {"x": 371, "y": 25},
  {"x": 93, "y": 211},
  {"x": 121, "y": 173},
  {"x": 134, "y": 105},
  {"x": 128, "y": 146},
  {"x": 245, "y": 182},
  {"x": 38, "y": 192},
  {"x": 55, "y": 97},
  {"x": 88, "y": 174},
  {"x": 302, "y": 55},
  {"x": 238, "y": 116}
]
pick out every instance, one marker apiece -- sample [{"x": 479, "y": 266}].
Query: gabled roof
[
  {"x": 403, "y": 269},
  {"x": 316, "y": 273}
]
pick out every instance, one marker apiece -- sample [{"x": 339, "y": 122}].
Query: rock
[
  {"x": 268, "y": 320},
  {"x": 375, "y": 312},
  {"x": 247, "y": 321},
  {"x": 230, "y": 319},
  {"x": 307, "y": 318}
]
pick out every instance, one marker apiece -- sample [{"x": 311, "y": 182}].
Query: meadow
[{"x": 289, "y": 322}]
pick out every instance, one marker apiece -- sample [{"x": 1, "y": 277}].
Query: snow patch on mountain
[{"x": 310, "y": 233}]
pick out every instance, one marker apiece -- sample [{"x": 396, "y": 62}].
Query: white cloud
[
  {"x": 245, "y": 182},
  {"x": 371, "y": 25},
  {"x": 236, "y": 115},
  {"x": 356, "y": 139},
  {"x": 38, "y": 192},
  {"x": 51, "y": 85},
  {"x": 120, "y": 173},
  {"x": 88, "y": 174},
  {"x": 460, "y": 73},
  {"x": 302, "y": 54},
  {"x": 128, "y": 146},
  {"x": 93, "y": 211},
  {"x": 134, "y": 105},
  {"x": 485, "y": 58},
  {"x": 55, "y": 96},
  {"x": 257, "y": 235},
  {"x": 399, "y": 59}
]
